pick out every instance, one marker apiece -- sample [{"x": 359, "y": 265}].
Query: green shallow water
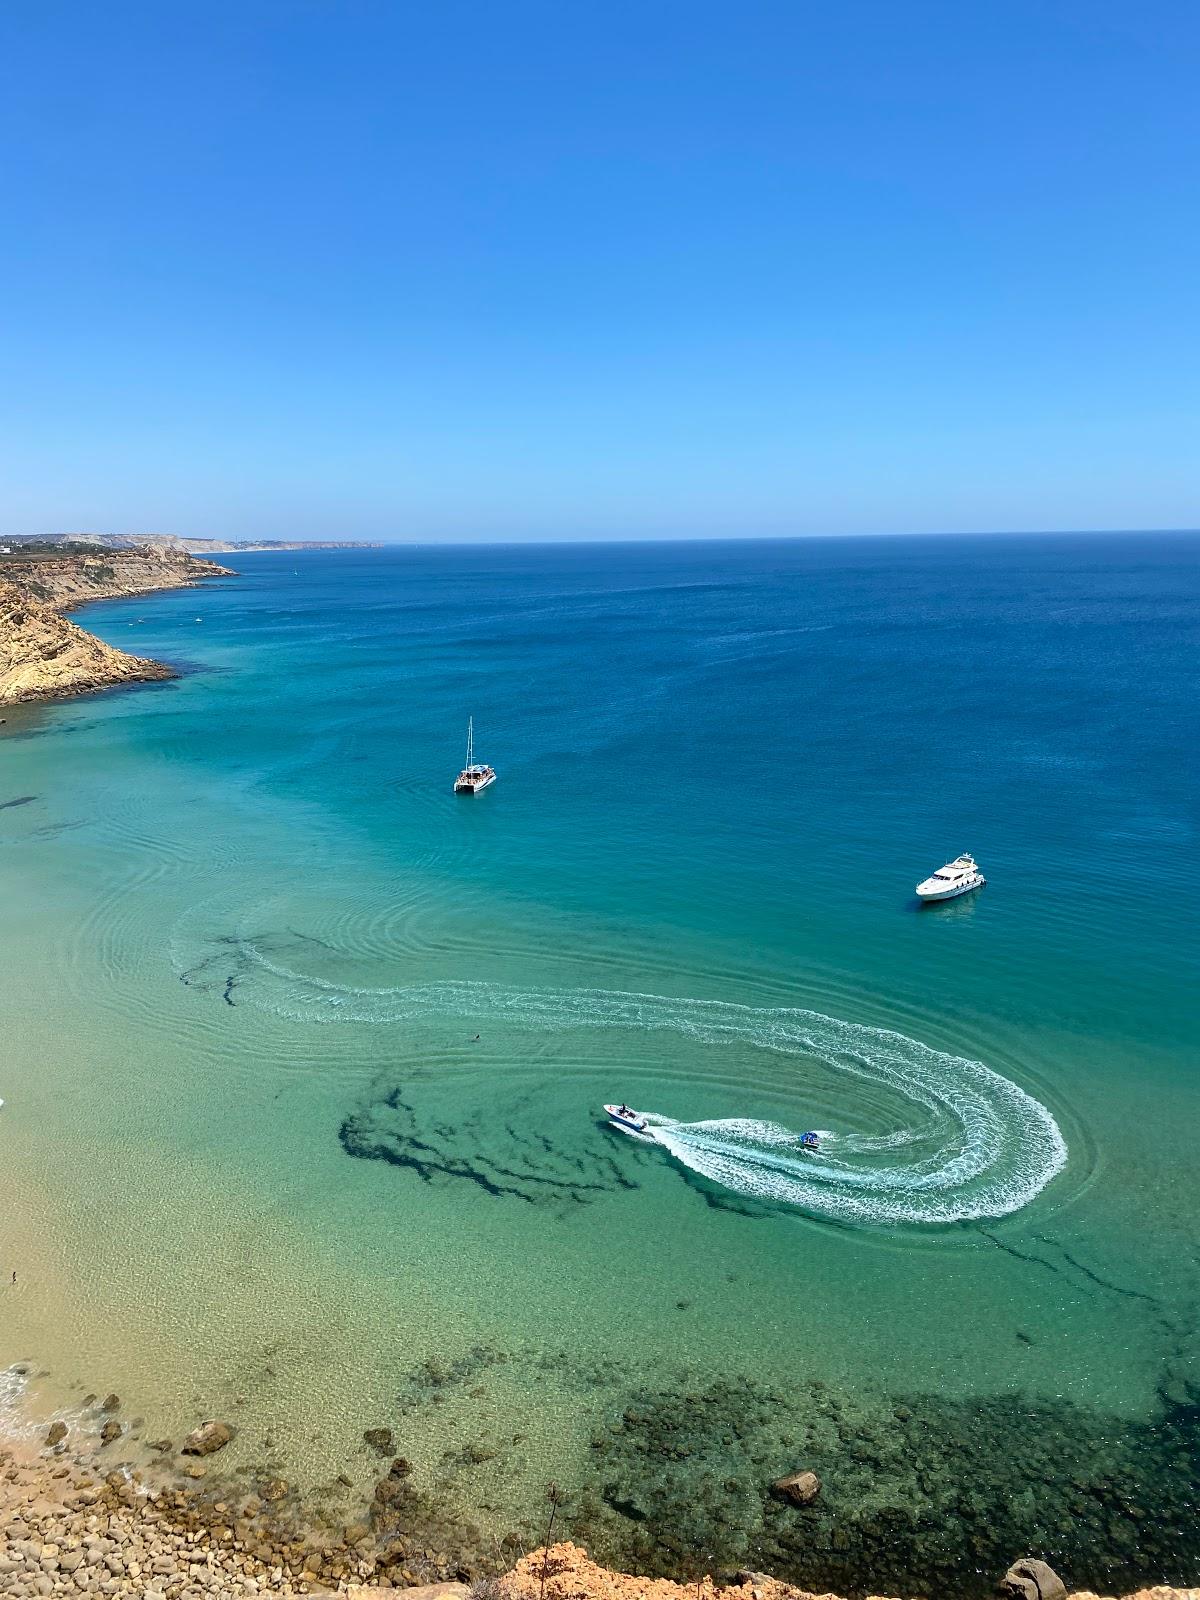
[{"x": 259, "y": 1165}]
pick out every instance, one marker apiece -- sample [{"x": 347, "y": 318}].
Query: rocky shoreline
[
  {"x": 69, "y": 1527},
  {"x": 85, "y": 1509},
  {"x": 88, "y": 1504},
  {"x": 43, "y": 656},
  {"x": 829, "y": 1493}
]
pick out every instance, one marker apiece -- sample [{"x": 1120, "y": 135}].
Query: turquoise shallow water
[{"x": 257, "y": 1157}]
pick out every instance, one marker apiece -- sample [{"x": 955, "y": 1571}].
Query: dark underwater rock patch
[
  {"x": 229, "y": 959},
  {"x": 925, "y": 1496},
  {"x": 513, "y": 1159},
  {"x": 918, "y": 1494}
]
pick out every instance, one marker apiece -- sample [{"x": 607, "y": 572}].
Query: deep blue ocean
[{"x": 273, "y": 933}]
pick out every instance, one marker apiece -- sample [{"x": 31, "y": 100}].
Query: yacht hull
[{"x": 929, "y": 897}]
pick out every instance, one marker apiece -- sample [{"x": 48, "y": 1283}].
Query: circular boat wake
[
  {"x": 926, "y": 1136},
  {"x": 963, "y": 1141}
]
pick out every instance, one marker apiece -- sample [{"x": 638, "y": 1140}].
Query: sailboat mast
[{"x": 470, "y": 740}]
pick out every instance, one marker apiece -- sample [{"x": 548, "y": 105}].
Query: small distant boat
[
  {"x": 623, "y": 1116},
  {"x": 473, "y": 776},
  {"x": 810, "y": 1142},
  {"x": 957, "y": 877}
]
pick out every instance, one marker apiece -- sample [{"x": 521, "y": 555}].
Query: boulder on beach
[
  {"x": 380, "y": 1440},
  {"x": 1031, "y": 1579},
  {"x": 111, "y": 1402},
  {"x": 801, "y": 1488},
  {"x": 56, "y": 1433},
  {"x": 209, "y": 1436},
  {"x": 110, "y": 1433}
]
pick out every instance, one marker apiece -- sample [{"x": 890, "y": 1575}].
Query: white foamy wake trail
[
  {"x": 965, "y": 1141},
  {"x": 950, "y": 1139}
]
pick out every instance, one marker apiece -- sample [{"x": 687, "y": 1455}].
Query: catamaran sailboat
[{"x": 473, "y": 776}]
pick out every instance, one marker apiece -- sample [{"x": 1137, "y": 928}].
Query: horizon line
[{"x": 663, "y": 538}]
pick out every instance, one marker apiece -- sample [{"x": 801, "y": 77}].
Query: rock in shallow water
[
  {"x": 209, "y": 1436},
  {"x": 1031, "y": 1579},
  {"x": 801, "y": 1488}
]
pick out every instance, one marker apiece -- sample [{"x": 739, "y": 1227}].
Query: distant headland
[
  {"x": 172, "y": 541},
  {"x": 217, "y": 547}
]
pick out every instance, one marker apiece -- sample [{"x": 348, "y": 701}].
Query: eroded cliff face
[
  {"x": 71, "y": 580},
  {"x": 45, "y": 657}
]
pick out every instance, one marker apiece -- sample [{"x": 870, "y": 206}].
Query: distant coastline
[
  {"x": 174, "y": 542},
  {"x": 219, "y": 547}
]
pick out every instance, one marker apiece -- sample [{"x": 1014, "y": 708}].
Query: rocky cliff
[
  {"x": 45, "y": 657},
  {"x": 42, "y": 655},
  {"x": 65, "y": 579}
]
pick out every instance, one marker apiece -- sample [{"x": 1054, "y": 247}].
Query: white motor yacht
[
  {"x": 474, "y": 776},
  {"x": 957, "y": 877}
]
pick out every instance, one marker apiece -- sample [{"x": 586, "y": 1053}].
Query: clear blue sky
[{"x": 439, "y": 270}]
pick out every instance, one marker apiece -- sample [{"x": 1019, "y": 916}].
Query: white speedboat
[
  {"x": 474, "y": 776},
  {"x": 623, "y": 1116},
  {"x": 957, "y": 877}
]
